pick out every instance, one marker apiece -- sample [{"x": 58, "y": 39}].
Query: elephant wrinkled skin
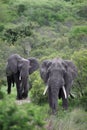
[
  {"x": 58, "y": 75},
  {"x": 17, "y": 70}
]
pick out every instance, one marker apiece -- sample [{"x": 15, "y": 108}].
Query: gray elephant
[
  {"x": 58, "y": 75},
  {"x": 17, "y": 70}
]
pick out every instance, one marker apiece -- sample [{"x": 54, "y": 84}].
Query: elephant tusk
[
  {"x": 64, "y": 92},
  {"x": 20, "y": 77},
  {"x": 45, "y": 90}
]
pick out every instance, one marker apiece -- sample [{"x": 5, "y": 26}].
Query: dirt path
[{"x": 27, "y": 100}]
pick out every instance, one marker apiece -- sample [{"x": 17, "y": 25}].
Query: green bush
[
  {"x": 83, "y": 100},
  {"x": 80, "y": 58},
  {"x": 76, "y": 1},
  {"x": 5, "y": 1},
  {"x": 17, "y": 117},
  {"x": 78, "y": 37},
  {"x": 82, "y": 12},
  {"x": 1, "y": 27},
  {"x": 1, "y": 94},
  {"x": 12, "y": 34},
  {"x": 78, "y": 30},
  {"x": 37, "y": 89},
  {"x": 21, "y": 9}
]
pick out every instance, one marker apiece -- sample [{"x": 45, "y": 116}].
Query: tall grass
[{"x": 75, "y": 120}]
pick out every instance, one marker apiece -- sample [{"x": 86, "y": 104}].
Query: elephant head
[
  {"x": 58, "y": 75},
  {"x": 17, "y": 70}
]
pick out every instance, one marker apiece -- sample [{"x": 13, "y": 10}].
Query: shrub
[
  {"x": 37, "y": 89},
  {"x": 21, "y": 9},
  {"x": 82, "y": 12},
  {"x": 5, "y": 1},
  {"x": 78, "y": 37},
  {"x": 1, "y": 94},
  {"x": 83, "y": 100},
  {"x": 11, "y": 34},
  {"x": 80, "y": 58},
  {"x": 1, "y": 27},
  {"x": 14, "y": 117},
  {"x": 78, "y": 30}
]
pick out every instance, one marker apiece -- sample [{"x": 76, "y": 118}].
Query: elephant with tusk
[
  {"x": 58, "y": 75},
  {"x": 17, "y": 70}
]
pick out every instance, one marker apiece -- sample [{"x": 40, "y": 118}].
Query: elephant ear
[
  {"x": 71, "y": 69},
  {"x": 34, "y": 65},
  {"x": 44, "y": 69}
]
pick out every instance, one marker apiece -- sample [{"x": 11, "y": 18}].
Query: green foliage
[
  {"x": 7, "y": 13},
  {"x": 82, "y": 12},
  {"x": 14, "y": 117},
  {"x": 76, "y": 31},
  {"x": 76, "y": 1},
  {"x": 1, "y": 27},
  {"x": 78, "y": 37},
  {"x": 80, "y": 58},
  {"x": 83, "y": 100},
  {"x": 1, "y": 94},
  {"x": 12, "y": 34},
  {"x": 5, "y": 1},
  {"x": 21, "y": 9},
  {"x": 44, "y": 13},
  {"x": 37, "y": 89}
]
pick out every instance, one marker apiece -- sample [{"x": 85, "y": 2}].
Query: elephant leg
[
  {"x": 12, "y": 80},
  {"x": 64, "y": 100},
  {"x": 25, "y": 87},
  {"x": 9, "y": 84},
  {"x": 53, "y": 98},
  {"x": 65, "y": 103},
  {"x": 19, "y": 93},
  {"x": 49, "y": 97}
]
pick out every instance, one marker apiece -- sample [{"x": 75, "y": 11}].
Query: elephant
[
  {"x": 17, "y": 71},
  {"x": 58, "y": 75}
]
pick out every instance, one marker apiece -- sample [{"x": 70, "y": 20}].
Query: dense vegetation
[{"x": 44, "y": 29}]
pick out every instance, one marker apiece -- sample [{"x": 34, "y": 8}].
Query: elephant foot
[
  {"x": 19, "y": 98},
  {"x": 65, "y": 107},
  {"x": 8, "y": 91},
  {"x": 52, "y": 112},
  {"x": 65, "y": 104},
  {"x": 24, "y": 95},
  {"x": 49, "y": 111}
]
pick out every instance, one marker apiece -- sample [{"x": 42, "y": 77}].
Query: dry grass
[{"x": 75, "y": 120}]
